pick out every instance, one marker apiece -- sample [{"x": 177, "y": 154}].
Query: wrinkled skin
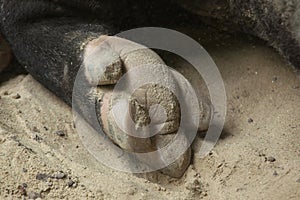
[
  {"x": 54, "y": 38},
  {"x": 5, "y": 54},
  {"x": 277, "y": 21}
]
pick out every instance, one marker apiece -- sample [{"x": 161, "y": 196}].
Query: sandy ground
[{"x": 258, "y": 156}]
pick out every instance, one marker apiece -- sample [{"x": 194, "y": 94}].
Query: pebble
[
  {"x": 162, "y": 189},
  {"x": 298, "y": 181},
  {"x": 250, "y": 120},
  {"x": 60, "y": 133},
  {"x": 270, "y": 159},
  {"x": 275, "y": 173},
  {"x": 59, "y": 175},
  {"x": 35, "y": 129},
  {"x": 71, "y": 183},
  {"x": 16, "y": 96},
  {"x": 41, "y": 176}
]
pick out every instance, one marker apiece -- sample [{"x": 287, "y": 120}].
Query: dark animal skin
[
  {"x": 5, "y": 54},
  {"x": 276, "y": 21},
  {"x": 48, "y": 36}
]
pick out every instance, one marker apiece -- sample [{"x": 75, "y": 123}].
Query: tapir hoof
[{"x": 105, "y": 61}]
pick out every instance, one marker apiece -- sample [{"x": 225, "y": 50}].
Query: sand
[{"x": 258, "y": 156}]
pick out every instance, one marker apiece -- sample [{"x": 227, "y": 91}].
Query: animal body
[{"x": 52, "y": 39}]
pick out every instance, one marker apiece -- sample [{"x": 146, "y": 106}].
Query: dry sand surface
[{"x": 258, "y": 156}]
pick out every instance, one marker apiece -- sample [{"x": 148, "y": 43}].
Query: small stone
[
  {"x": 60, "y": 133},
  {"x": 59, "y": 175},
  {"x": 274, "y": 79},
  {"x": 41, "y": 177},
  {"x": 275, "y": 173},
  {"x": 250, "y": 120},
  {"x": 5, "y": 93},
  {"x": 35, "y": 129},
  {"x": 16, "y": 96},
  {"x": 270, "y": 159},
  {"x": 298, "y": 181},
  {"x": 33, "y": 195},
  {"x": 25, "y": 170},
  {"x": 71, "y": 183}
]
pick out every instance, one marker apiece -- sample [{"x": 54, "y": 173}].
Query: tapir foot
[{"x": 150, "y": 107}]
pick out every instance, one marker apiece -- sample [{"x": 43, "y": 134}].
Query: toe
[
  {"x": 156, "y": 107},
  {"x": 102, "y": 65},
  {"x": 150, "y": 119}
]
